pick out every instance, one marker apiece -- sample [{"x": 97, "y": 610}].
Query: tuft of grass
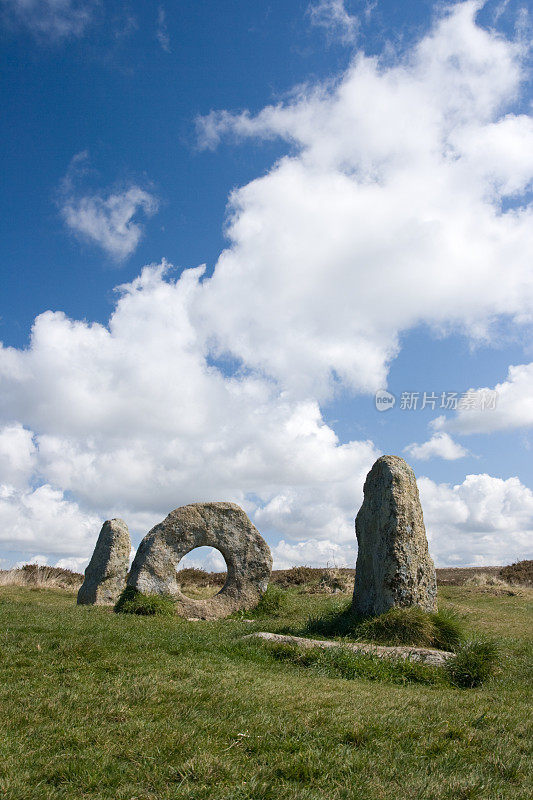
[
  {"x": 296, "y": 576},
  {"x": 448, "y": 630},
  {"x": 483, "y": 579},
  {"x": 473, "y": 664},
  {"x": 338, "y": 620},
  {"x": 315, "y": 580},
  {"x": 133, "y": 602},
  {"x": 192, "y": 576},
  {"x": 199, "y": 584},
  {"x": 272, "y": 603},
  {"x": 398, "y": 626},
  {"x": 333, "y": 581}
]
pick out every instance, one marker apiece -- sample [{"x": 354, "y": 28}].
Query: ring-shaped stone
[{"x": 223, "y": 526}]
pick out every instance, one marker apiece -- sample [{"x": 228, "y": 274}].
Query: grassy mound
[
  {"x": 315, "y": 580},
  {"x": 399, "y": 626},
  {"x": 474, "y": 659},
  {"x": 133, "y": 602},
  {"x": 295, "y": 576},
  {"x": 472, "y": 664},
  {"x": 192, "y": 576},
  {"x": 199, "y": 584}
]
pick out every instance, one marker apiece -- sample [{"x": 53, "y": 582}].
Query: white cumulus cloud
[
  {"x": 110, "y": 219},
  {"x": 17, "y": 455},
  {"x": 44, "y": 519},
  {"x": 513, "y": 407},
  {"x": 441, "y": 445},
  {"x": 483, "y": 520},
  {"x": 133, "y": 419},
  {"x": 383, "y": 215},
  {"x": 314, "y": 553},
  {"x": 73, "y": 563}
]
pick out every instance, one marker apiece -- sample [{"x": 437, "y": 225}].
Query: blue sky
[{"x": 303, "y": 203}]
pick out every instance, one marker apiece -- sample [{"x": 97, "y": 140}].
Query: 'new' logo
[{"x": 384, "y": 400}]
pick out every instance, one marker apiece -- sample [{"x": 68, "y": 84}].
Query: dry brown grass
[
  {"x": 313, "y": 580},
  {"x": 192, "y": 576},
  {"x": 520, "y": 572},
  {"x": 491, "y": 583},
  {"x": 36, "y": 576},
  {"x": 334, "y": 581},
  {"x": 326, "y": 580},
  {"x": 458, "y": 576},
  {"x": 200, "y": 584}
]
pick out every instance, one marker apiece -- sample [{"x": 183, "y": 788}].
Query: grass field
[{"x": 123, "y": 707}]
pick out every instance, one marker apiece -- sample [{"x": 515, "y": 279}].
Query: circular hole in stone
[{"x": 202, "y": 573}]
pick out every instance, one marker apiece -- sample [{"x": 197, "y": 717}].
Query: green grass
[
  {"x": 121, "y": 706},
  {"x": 273, "y": 603},
  {"x": 473, "y": 664},
  {"x": 340, "y": 662},
  {"x": 443, "y": 630},
  {"x": 132, "y": 601}
]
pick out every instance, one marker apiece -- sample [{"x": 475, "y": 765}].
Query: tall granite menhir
[
  {"x": 105, "y": 575},
  {"x": 394, "y": 567}
]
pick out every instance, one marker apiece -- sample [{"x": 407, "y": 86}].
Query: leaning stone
[
  {"x": 105, "y": 576},
  {"x": 394, "y": 567},
  {"x": 422, "y": 654},
  {"x": 223, "y": 526}
]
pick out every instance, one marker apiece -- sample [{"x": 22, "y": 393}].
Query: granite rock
[
  {"x": 394, "y": 567},
  {"x": 223, "y": 526},
  {"x": 105, "y": 576}
]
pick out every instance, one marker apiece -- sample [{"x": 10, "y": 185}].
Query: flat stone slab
[{"x": 424, "y": 655}]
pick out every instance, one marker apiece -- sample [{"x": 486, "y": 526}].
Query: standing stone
[
  {"x": 394, "y": 567},
  {"x": 223, "y": 526},
  {"x": 105, "y": 577}
]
